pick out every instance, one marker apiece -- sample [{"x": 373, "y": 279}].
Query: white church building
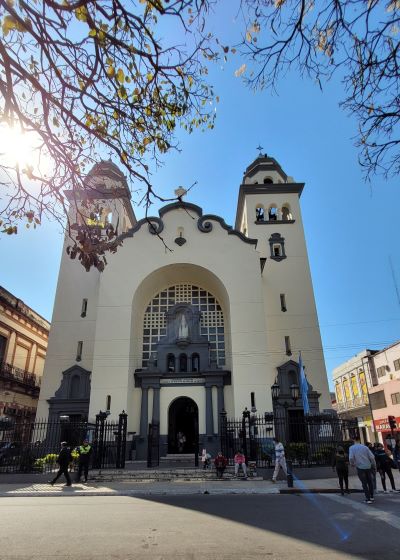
[{"x": 205, "y": 319}]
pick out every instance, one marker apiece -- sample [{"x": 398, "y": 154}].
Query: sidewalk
[{"x": 40, "y": 488}]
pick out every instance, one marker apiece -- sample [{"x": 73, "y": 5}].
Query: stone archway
[{"x": 183, "y": 417}]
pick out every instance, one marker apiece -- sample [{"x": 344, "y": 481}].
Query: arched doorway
[{"x": 183, "y": 416}]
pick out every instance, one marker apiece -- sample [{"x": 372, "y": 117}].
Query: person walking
[
  {"x": 280, "y": 460},
  {"x": 396, "y": 454},
  {"x": 220, "y": 463},
  {"x": 372, "y": 448},
  {"x": 364, "y": 461},
  {"x": 240, "y": 461},
  {"x": 341, "y": 463},
  {"x": 384, "y": 465},
  {"x": 181, "y": 439},
  {"x": 64, "y": 459},
  {"x": 85, "y": 452}
]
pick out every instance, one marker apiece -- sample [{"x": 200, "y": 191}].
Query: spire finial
[
  {"x": 180, "y": 192},
  {"x": 259, "y": 148}
]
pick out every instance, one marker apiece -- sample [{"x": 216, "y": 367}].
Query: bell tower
[
  {"x": 267, "y": 198},
  {"x": 104, "y": 200},
  {"x": 269, "y": 210}
]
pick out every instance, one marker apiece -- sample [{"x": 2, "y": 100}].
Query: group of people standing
[
  {"x": 65, "y": 459},
  {"x": 368, "y": 459}
]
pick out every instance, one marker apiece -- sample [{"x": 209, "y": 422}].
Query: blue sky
[{"x": 351, "y": 227}]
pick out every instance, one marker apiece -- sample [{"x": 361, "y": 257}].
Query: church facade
[{"x": 190, "y": 316}]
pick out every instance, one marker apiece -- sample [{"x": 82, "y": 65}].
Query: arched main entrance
[{"x": 183, "y": 417}]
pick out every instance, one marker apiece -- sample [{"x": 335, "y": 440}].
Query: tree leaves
[{"x": 93, "y": 81}]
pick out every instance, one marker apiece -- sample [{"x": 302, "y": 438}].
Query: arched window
[
  {"x": 211, "y": 323},
  {"x": 267, "y": 180},
  {"x": 183, "y": 363},
  {"x": 339, "y": 392},
  {"x": 286, "y": 214},
  {"x": 74, "y": 387},
  {"x": 259, "y": 213},
  {"x": 170, "y": 362},
  {"x": 354, "y": 385},
  {"x": 277, "y": 247},
  {"x": 195, "y": 362},
  {"x": 273, "y": 213}
]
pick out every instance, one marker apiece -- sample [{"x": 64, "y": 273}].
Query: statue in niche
[{"x": 183, "y": 331}]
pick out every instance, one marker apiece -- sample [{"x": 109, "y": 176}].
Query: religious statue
[{"x": 183, "y": 331}]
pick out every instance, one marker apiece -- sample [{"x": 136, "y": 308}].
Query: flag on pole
[{"x": 303, "y": 387}]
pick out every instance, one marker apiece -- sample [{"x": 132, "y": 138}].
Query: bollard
[{"x": 289, "y": 477}]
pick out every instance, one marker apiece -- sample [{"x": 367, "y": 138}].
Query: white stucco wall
[
  {"x": 142, "y": 268},
  {"x": 219, "y": 262}
]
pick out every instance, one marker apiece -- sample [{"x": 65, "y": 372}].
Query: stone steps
[{"x": 162, "y": 474}]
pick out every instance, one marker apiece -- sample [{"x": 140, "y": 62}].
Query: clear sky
[{"x": 352, "y": 228}]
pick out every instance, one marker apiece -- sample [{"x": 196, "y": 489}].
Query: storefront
[{"x": 386, "y": 436}]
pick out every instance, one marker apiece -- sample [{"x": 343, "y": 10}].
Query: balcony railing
[
  {"x": 12, "y": 373},
  {"x": 357, "y": 402}
]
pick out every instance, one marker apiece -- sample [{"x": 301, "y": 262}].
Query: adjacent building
[
  {"x": 352, "y": 381},
  {"x": 23, "y": 343},
  {"x": 385, "y": 395},
  {"x": 190, "y": 316},
  {"x": 367, "y": 387}
]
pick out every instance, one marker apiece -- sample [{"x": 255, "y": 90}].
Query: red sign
[{"x": 382, "y": 425}]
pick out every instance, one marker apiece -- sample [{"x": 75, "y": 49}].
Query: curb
[
  {"x": 315, "y": 491},
  {"x": 135, "y": 493}
]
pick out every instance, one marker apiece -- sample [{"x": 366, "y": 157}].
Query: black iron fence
[
  {"x": 109, "y": 442},
  {"x": 34, "y": 446},
  {"x": 309, "y": 440}
]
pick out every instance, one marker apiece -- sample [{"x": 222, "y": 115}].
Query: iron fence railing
[
  {"x": 309, "y": 440},
  {"x": 34, "y": 446},
  {"x": 13, "y": 373}
]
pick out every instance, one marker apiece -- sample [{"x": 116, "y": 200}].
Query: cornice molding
[{"x": 204, "y": 223}]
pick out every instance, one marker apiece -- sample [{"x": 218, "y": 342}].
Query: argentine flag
[{"x": 303, "y": 387}]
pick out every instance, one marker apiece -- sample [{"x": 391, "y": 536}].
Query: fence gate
[
  {"x": 109, "y": 442},
  {"x": 309, "y": 440}
]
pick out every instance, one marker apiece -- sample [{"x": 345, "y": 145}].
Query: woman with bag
[{"x": 384, "y": 464}]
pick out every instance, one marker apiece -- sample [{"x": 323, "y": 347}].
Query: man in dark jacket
[
  {"x": 384, "y": 464},
  {"x": 64, "y": 458},
  {"x": 85, "y": 452}
]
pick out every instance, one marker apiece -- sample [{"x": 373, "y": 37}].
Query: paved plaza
[{"x": 194, "y": 527}]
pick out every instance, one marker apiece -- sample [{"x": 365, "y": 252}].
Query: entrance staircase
[{"x": 179, "y": 467}]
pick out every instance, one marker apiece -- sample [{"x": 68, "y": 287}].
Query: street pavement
[
  {"x": 200, "y": 527},
  {"x": 27, "y": 486}
]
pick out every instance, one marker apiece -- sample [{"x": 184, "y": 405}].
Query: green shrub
[{"x": 297, "y": 451}]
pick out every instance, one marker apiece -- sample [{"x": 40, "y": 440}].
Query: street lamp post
[
  {"x": 294, "y": 395},
  {"x": 245, "y": 424}
]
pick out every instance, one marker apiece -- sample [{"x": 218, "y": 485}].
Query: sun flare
[{"x": 23, "y": 149}]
